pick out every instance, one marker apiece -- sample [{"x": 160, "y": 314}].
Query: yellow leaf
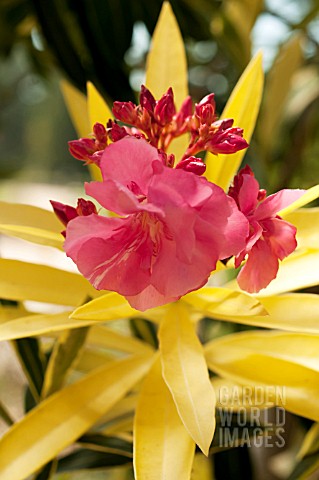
[
  {"x": 110, "y": 306},
  {"x": 295, "y": 312},
  {"x": 222, "y": 302},
  {"x": 90, "y": 359},
  {"x": 231, "y": 395},
  {"x": 306, "y": 220},
  {"x": 99, "y": 111},
  {"x": 27, "y": 281},
  {"x": 185, "y": 373},
  {"x": 310, "y": 195},
  {"x": 33, "y": 325},
  {"x": 107, "y": 307},
  {"x": 166, "y": 62},
  {"x": 59, "y": 420},
  {"x": 65, "y": 353},
  {"x": 35, "y": 235},
  {"x": 167, "y": 67},
  {"x": 202, "y": 468},
  {"x": 288, "y": 361},
  {"x": 77, "y": 107},
  {"x": 310, "y": 444},
  {"x": 289, "y": 58},
  {"x": 299, "y": 270},
  {"x": 107, "y": 338},
  {"x": 242, "y": 106},
  {"x": 29, "y": 216},
  {"x": 162, "y": 447}
]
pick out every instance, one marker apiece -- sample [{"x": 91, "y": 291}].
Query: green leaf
[
  {"x": 88, "y": 460},
  {"x": 63, "y": 417},
  {"x": 64, "y": 354},
  {"x": 185, "y": 373},
  {"x": 32, "y": 362},
  {"x": 107, "y": 444},
  {"x": 243, "y": 106},
  {"x": 286, "y": 360},
  {"x": 163, "y": 448},
  {"x": 27, "y": 281}
]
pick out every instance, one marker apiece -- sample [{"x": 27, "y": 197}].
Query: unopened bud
[
  {"x": 192, "y": 164},
  {"x": 165, "y": 108},
  {"x": 147, "y": 100},
  {"x": 125, "y": 112}
]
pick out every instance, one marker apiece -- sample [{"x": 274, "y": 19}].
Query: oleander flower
[
  {"x": 271, "y": 238},
  {"x": 174, "y": 227}
]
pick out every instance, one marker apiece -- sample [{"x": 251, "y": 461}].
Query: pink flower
[
  {"x": 271, "y": 238},
  {"x": 174, "y": 227}
]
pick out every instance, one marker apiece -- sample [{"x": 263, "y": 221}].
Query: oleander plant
[{"x": 192, "y": 282}]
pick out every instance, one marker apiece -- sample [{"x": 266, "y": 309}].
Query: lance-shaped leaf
[
  {"x": 63, "y": 417},
  {"x": 166, "y": 62},
  {"x": 234, "y": 397},
  {"x": 295, "y": 312},
  {"x": 28, "y": 215},
  {"x": 77, "y": 107},
  {"x": 37, "y": 324},
  {"x": 162, "y": 446},
  {"x": 223, "y": 302},
  {"x": 243, "y": 106},
  {"x": 107, "y": 338},
  {"x": 105, "y": 308},
  {"x": 167, "y": 66},
  {"x": 289, "y": 58},
  {"x": 97, "y": 107},
  {"x": 299, "y": 270},
  {"x": 35, "y": 235},
  {"x": 310, "y": 195},
  {"x": 285, "y": 360},
  {"x": 65, "y": 353},
  {"x": 185, "y": 373},
  {"x": 110, "y": 306},
  {"x": 28, "y": 281},
  {"x": 308, "y": 455},
  {"x": 306, "y": 220}
]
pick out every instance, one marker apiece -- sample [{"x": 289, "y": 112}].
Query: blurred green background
[{"x": 106, "y": 41}]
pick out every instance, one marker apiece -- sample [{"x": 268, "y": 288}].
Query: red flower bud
[
  {"x": 100, "y": 134},
  {"x": 125, "y": 112},
  {"x": 147, "y": 100},
  {"x": 85, "y": 207},
  {"x": 165, "y": 108},
  {"x": 192, "y": 164},
  {"x": 65, "y": 213},
  {"x": 82, "y": 149}
]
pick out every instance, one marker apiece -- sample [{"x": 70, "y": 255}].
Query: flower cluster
[
  {"x": 159, "y": 123},
  {"x": 173, "y": 225}
]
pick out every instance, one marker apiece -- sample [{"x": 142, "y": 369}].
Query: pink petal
[
  {"x": 248, "y": 193},
  {"x": 149, "y": 298},
  {"x": 260, "y": 268},
  {"x": 110, "y": 253},
  {"x": 281, "y": 235},
  {"x": 117, "y": 198},
  {"x": 129, "y": 160},
  {"x": 276, "y": 202}
]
